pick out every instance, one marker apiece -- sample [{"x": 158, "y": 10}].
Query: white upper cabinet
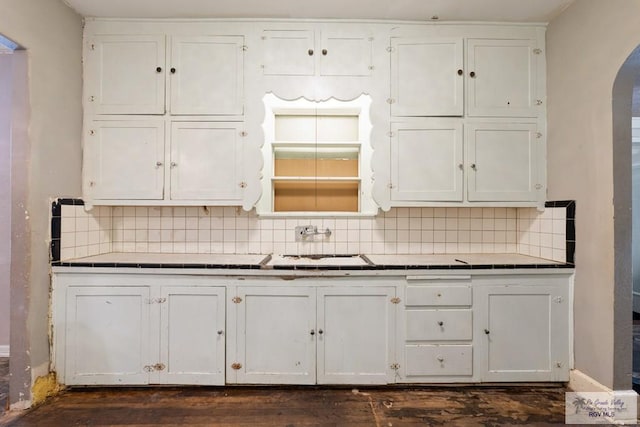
[
  {"x": 125, "y": 74},
  {"x": 124, "y": 160},
  {"x": 426, "y": 160},
  {"x": 206, "y": 161},
  {"x": 128, "y": 75},
  {"x": 324, "y": 51},
  {"x": 427, "y": 77},
  {"x": 207, "y": 75},
  {"x": 502, "y": 78},
  {"x": 502, "y": 161}
]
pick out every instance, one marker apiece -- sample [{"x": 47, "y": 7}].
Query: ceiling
[{"x": 415, "y": 10}]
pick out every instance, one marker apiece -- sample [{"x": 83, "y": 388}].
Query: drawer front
[
  {"x": 439, "y": 325},
  {"x": 438, "y": 295},
  {"x": 438, "y": 360}
]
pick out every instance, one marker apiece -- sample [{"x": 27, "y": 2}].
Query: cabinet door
[
  {"x": 522, "y": 332},
  {"x": 276, "y": 337},
  {"x": 502, "y": 78},
  {"x": 288, "y": 52},
  {"x": 107, "y": 335},
  {"x": 192, "y": 335},
  {"x": 426, "y": 159},
  {"x": 124, "y": 160},
  {"x": 206, "y": 161},
  {"x": 207, "y": 75},
  {"x": 427, "y": 77},
  {"x": 355, "y": 335},
  {"x": 345, "y": 53},
  {"x": 502, "y": 161},
  {"x": 125, "y": 74}
]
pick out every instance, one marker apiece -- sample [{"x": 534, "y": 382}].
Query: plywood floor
[{"x": 301, "y": 406}]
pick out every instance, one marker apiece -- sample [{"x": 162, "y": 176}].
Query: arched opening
[{"x": 624, "y": 244}]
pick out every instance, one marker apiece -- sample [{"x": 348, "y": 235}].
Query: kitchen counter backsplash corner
[{"x": 77, "y": 233}]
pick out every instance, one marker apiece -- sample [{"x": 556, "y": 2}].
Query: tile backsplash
[{"x": 231, "y": 230}]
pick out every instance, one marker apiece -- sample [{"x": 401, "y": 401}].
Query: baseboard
[
  {"x": 4, "y": 351},
  {"x": 579, "y": 381}
]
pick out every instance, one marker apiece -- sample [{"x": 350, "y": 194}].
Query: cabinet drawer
[
  {"x": 439, "y": 360},
  {"x": 438, "y": 295},
  {"x": 438, "y": 325}
]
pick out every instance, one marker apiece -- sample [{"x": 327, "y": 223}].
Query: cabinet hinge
[
  {"x": 395, "y": 366},
  {"x": 558, "y": 364},
  {"x": 93, "y": 46},
  {"x": 389, "y": 48},
  {"x": 245, "y": 47},
  {"x": 538, "y": 135},
  {"x": 243, "y": 185},
  {"x": 390, "y": 186},
  {"x": 390, "y": 100},
  {"x": 236, "y": 300},
  {"x": 243, "y": 133},
  {"x": 92, "y": 98},
  {"x": 390, "y": 134},
  {"x": 236, "y": 366},
  {"x": 148, "y": 368},
  {"x": 538, "y": 102},
  {"x": 537, "y": 51},
  {"x": 395, "y": 300},
  {"x": 558, "y": 300}
]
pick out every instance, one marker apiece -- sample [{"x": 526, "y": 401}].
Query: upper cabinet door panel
[
  {"x": 124, "y": 160},
  {"x": 502, "y": 78},
  {"x": 207, "y": 75},
  {"x": 206, "y": 160},
  {"x": 502, "y": 160},
  {"x": 345, "y": 54},
  {"x": 288, "y": 52},
  {"x": 427, "y": 77},
  {"x": 125, "y": 74}
]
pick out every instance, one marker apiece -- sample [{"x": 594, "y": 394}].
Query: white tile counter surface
[{"x": 459, "y": 259}]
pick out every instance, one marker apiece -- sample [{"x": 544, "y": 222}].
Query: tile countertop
[{"x": 329, "y": 262}]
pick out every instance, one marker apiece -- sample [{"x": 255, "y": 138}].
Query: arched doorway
[{"x": 623, "y": 88}]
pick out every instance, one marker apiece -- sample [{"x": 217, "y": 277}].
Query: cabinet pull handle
[
  {"x": 324, "y": 52},
  {"x": 173, "y": 70},
  {"x": 312, "y": 332},
  {"x": 472, "y": 74},
  {"x": 310, "y": 52},
  {"x": 440, "y": 323},
  {"x": 486, "y": 331},
  {"x": 158, "y": 69},
  {"x": 460, "y": 72}
]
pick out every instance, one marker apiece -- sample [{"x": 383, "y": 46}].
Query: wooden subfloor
[{"x": 300, "y": 406}]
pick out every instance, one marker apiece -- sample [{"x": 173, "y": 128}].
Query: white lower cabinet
[
  {"x": 522, "y": 331},
  {"x": 308, "y": 335},
  {"x": 136, "y": 329},
  {"x": 127, "y": 334}
]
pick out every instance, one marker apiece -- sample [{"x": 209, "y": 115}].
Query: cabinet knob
[
  {"x": 310, "y": 52},
  {"x": 473, "y": 166},
  {"x": 461, "y": 167},
  {"x": 440, "y": 323},
  {"x": 313, "y": 332},
  {"x": 158, "y": 164},
  {"x": 158, "y": 69},
  {"x": 174, "y": 164},
  {"x": 324, "y": 52},
  {"x": 486, "y": 331},
  {"x": 460, "y": 72},
  {"x": 440, "y": 359},
  {"x": 173, "y": 70},
  {"x": 472, "y": 74},
  {"x": 220, "y": 332},
  {"x": 320, "y": 331}
]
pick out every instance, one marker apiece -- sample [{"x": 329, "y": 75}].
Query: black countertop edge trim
[
  {"x": 558, "y": 203},
  {"x": 312, "y": 267}
]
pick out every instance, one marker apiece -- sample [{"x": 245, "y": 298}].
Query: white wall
[
  {"x": 5, "y": 196},
  {"x": 635, "y": 159},
  {"x": 52, "y": 35},
  {"x": 586, "y": 46}
]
